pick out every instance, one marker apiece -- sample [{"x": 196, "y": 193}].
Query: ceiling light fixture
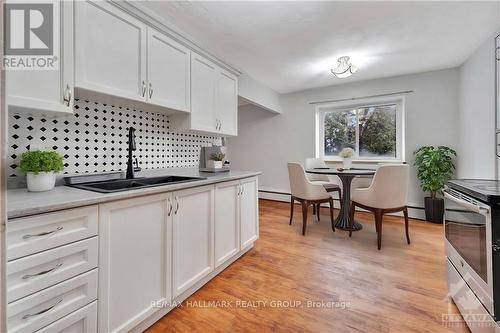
[{"x": 344, "y": 68}]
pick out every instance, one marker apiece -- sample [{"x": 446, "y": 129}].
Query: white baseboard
[{"x": 413, "y": 212}]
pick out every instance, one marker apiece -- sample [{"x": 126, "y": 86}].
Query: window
[{"x": 373, "y": 130}]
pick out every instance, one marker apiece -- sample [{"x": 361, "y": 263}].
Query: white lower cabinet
[
  {"x": 249, "y": 212},
  {"x": 134, "y": 260},
  {"x": 149, "y": 251},
  {"x": 80, "y": 321},
  {"x": 192, "y": 236},
  {"x": 227, "y": 211},
  {"x": 36, "y": 311}
]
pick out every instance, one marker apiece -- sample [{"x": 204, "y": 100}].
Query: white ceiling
[{"x": 291, "y": 46}]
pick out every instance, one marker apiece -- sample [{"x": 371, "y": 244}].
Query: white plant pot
[
  {"x": 214, "y": 164},
  {"x": 44, "y": 181},
  {"x": 347, "y": 163}
]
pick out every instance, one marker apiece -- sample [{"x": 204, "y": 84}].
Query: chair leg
[
  {"x": 331, "y": 214},
  {"x": 405, "y": 212},
  {"x": 352, "y": 209},
  {"x": 317, "y": 211},
  {"x": 304, "y": 217},
  {"x": 378, "y": 221},
  {"x": 314, "y": 209},
  {"x": 292, "y": 200}
]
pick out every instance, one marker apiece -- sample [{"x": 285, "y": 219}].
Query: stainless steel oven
[{"x": 468, "y": 245}]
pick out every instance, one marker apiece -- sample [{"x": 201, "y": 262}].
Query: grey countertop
[{"x": 20, "y": 202}]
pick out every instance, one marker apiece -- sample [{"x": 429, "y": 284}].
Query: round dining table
[{"x": 346, "y": 176}]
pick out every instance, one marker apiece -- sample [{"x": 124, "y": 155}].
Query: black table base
[{"x": 342, "y": 220}]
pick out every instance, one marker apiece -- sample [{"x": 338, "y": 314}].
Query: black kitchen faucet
[{"x": 131, "y": 148}]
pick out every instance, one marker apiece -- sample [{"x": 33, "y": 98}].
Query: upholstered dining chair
[
  {"x": 307, "y": 193},
  {"x": 331, "y": 183},
  {"x": 387, "y": 194}
]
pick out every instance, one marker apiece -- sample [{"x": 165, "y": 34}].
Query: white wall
[
  {"x": 266, "y": 142},
  {"x": 258, "y": 94},
  {"x": 477, "y": 114}
]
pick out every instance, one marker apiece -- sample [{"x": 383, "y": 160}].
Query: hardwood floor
[{"x": 400, "y": 288}]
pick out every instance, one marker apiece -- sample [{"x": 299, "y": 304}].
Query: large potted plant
[
  {"x": 435, "y": 166},
  {"x": 41, "y": 167}
]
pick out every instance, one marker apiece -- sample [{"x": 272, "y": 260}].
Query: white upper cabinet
[
  {"x": 47, "y": 92},
  {"x": 203, "y": 94},
  {"x": 227, "y": 103},
  {"x": 214, "y": 99},
  {"x": 168, "y": 72},
  {"x": 110, "y": 51}
]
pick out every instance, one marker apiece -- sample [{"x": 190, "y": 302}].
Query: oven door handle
[{"x": 469, "y": 206}]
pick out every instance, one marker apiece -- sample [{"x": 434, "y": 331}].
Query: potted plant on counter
[
  {"x": 216, "y": 160},
  {"x": 346, "y": 154},
  {"x": 41, "y": 167},
  {"x": 435, "y": 166}
]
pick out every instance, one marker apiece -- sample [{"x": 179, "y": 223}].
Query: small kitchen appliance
[{"x": 205, "y": 155}]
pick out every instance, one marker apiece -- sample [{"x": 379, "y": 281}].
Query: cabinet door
[
  {"x": 49, "y": 92},
  {"x": 249, "y": 211},
  {"x": 227, "y": 231},
  {"x": 168, "y": 72},
  {"x": 203, "y": 83},
  {"x": 110, "y": 50},
  {"x": 134, "y": 260},
  {"x": 227, "y": 103},
  {"x": 193, "y": 235}
]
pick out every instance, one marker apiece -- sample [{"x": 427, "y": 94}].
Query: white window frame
[{"x": 322, "y": 109}]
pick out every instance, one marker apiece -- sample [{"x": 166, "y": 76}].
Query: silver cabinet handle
[
  {"x": 67, "y": 95},
  {"x": 170, "y": 207},
  {"x": 26, "y": 316},
  {"x": 176, "y": 205},
  {"x": 143, "y": 88},
  {"x": 496, "y": 51},
  {"x": 28, "y": 276},
  {"x": 150, "y": 90},
  {"x": 43, "y": 233}
]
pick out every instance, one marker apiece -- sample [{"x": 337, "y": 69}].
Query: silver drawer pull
[
  {"x": 26, "y": 316},
  {"x": 28, "y": 276},
  {"x": 43, "y": 233}
]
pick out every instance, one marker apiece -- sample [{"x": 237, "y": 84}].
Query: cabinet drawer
[
  {"x": 38, "y": 310},
  {"x": 37, "y": 233},
  {"x": 80, "y": 321},
  {"x": 38, "y": 271}
]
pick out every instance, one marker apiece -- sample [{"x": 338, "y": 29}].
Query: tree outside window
[{"x": 369, "y": 130}]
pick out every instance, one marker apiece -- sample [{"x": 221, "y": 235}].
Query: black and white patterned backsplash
[{"x": 95, "y": 137}]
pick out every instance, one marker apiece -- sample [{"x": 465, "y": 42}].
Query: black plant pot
[{"x": 434, "y": 210}]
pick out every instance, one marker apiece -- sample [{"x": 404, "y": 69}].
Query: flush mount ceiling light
[{"x": 344, "y": 68}]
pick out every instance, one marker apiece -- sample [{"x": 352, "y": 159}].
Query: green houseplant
[
  {"x": 216, "y": 160},
  {"x": 435, "y": 166},
  {"x": 41, "y": 167}
]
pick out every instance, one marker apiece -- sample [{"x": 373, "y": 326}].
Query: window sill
[{"x": 365, "y": 161}]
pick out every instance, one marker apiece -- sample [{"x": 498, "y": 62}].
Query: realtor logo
[{"x": 29, "y": 36}]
